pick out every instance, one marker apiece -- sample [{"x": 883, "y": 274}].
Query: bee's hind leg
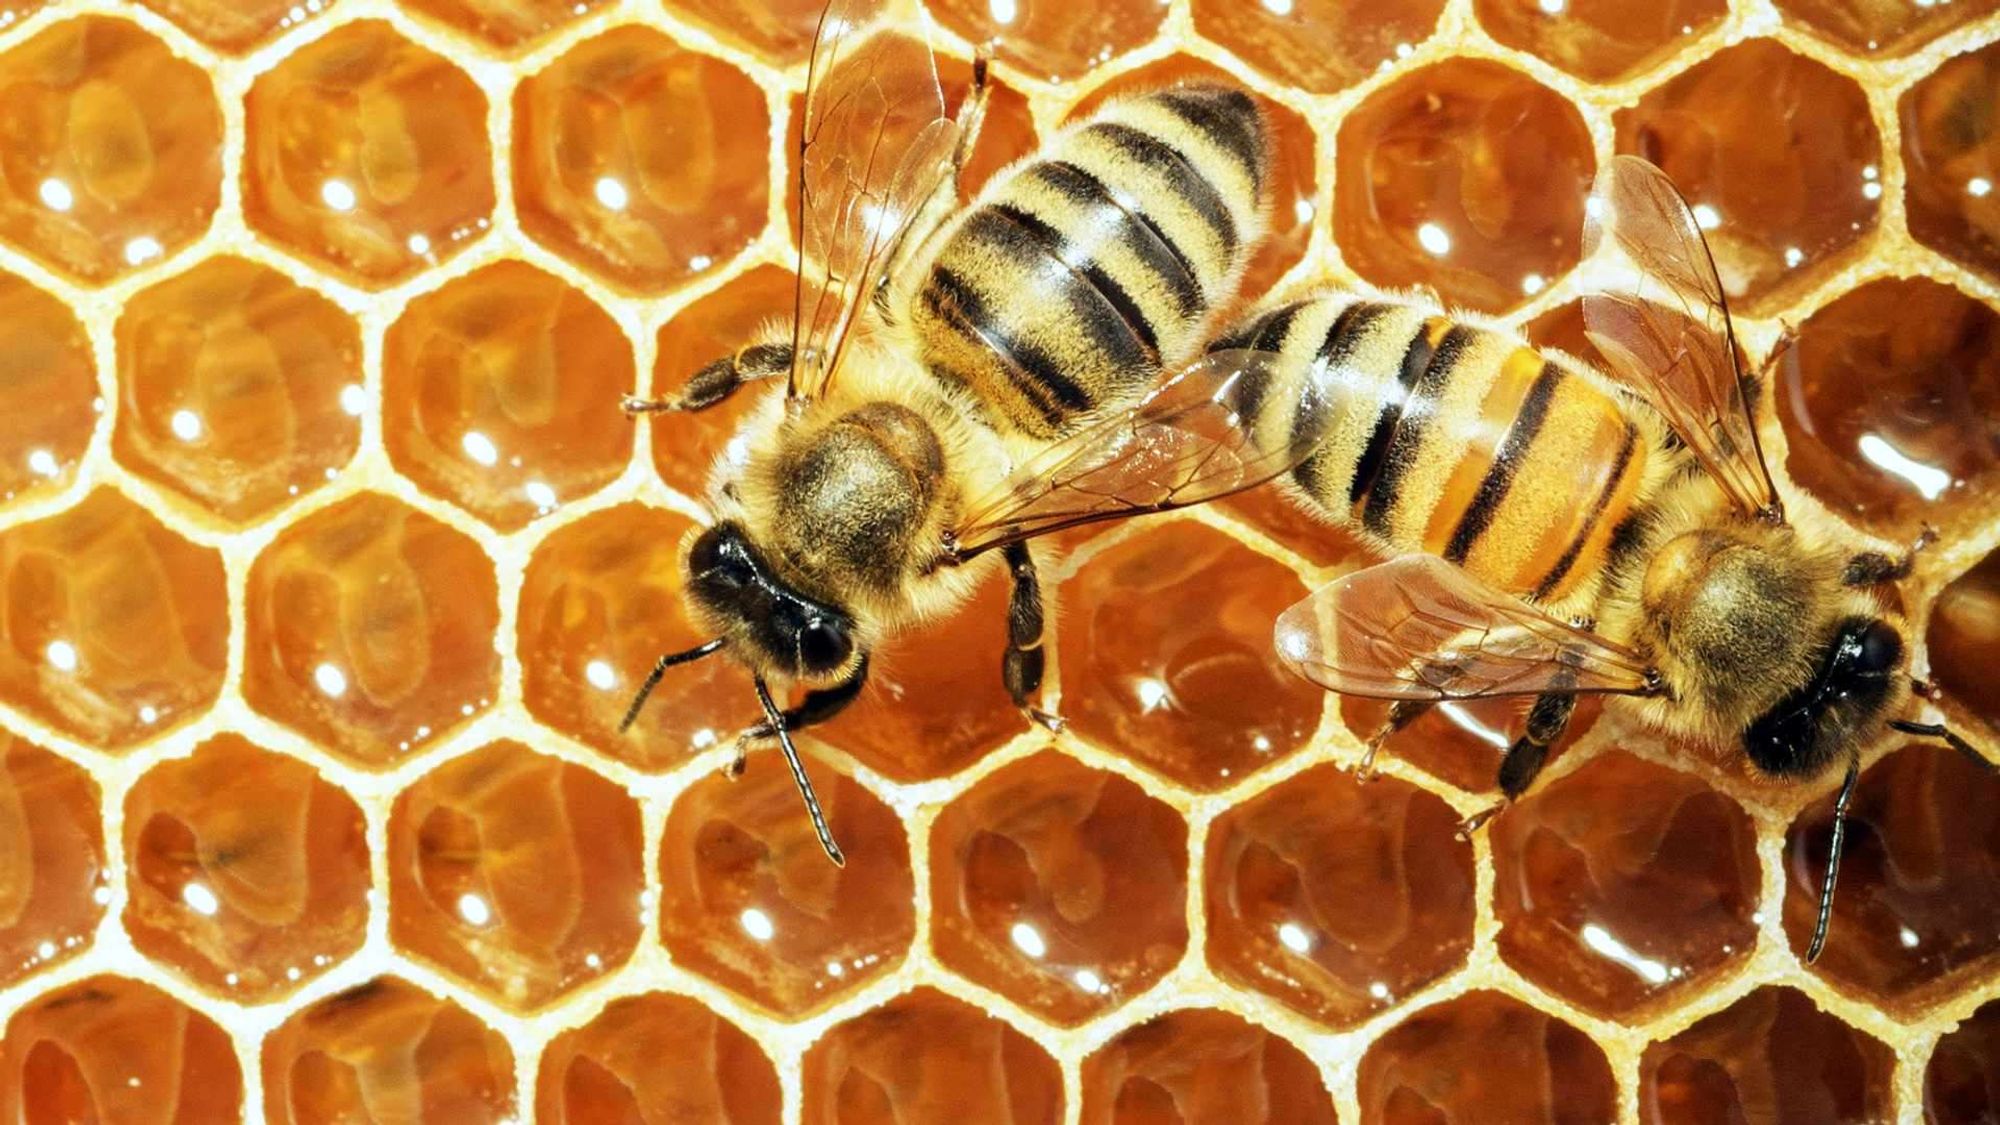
[
  {"x": 717, "y": 381},
  {"x": 1523, "y": 762},
  {"x": 1021, "y": 667},
  {"x": 1402, "y": 713}
]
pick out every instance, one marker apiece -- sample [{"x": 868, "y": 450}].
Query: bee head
[
  {"x": 1857, "y": 680},
  {"x": 769, "y": 625}
]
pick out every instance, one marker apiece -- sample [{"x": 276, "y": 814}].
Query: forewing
[
  {"x": 874, "y": 145},
  {"x": 1419, "y": 628},
  {"x": 1192, "y": 440},
  {"x": 1658, "y": 313}
]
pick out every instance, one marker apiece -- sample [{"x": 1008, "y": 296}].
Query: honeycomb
[{"x": 329, "y": 567}]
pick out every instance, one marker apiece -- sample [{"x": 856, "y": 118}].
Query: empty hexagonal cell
[
  {"x": 1951, "y": 155},
  {"x": 1778, "y": 157},
  {"x": 113, "y": 148},
  {"x": 1624, "y": 883},
  {"x": 1962, "y": 1080},
  {"x": 1467, "y": 177},
  {"x": 1771, "y": 1056},
  {"x": 371, "y": 629},
  {"x": 1461, "y": 742},
  {"x": 1197, "y": 696},
  {"x": 111, "y": 1049},
  {"x": 515, "y": 872},
  {"x": 1964, "y": 641},
  {"x": 245, "y": 869},
  {"x": 927, "y": 1057},
  {"x": 750, "y": 901},
  {"x": 1919, "y": 879},
  {"x": 1882, "y": 29},
  {"x": 1294, "y": 179},
  {"x": 1202, "y": 1068},
  {"x": 236, "y": 25},
  {"x": 641, "y": 160},
  {"x": 654, "y": 1060},
  {"x": 1485, "y": 1057},
  {"x": 601, "y": 602},
  {"x": 1920, "y": 438},
  {"x": 1061, "y": 887},
  {"x": 500, "y": 393},
  {"x": 386, "y": 1051},
  {"x": 1318, "y": 45},
  {"x": 506, "y": 24},
  {"x": 367, "y": 155},
  {"x": 116, "y": 627},
  {"x": 52, "y": 880},
  {"x": 1050, "y": 39},
  {"x": 781, "y": 31},
  {"x": 237, "y": 387},
  {"x": 48, "y": 390},
  {"x": 1600, "y": 40},
  {"x": 1336, "y": 897}
]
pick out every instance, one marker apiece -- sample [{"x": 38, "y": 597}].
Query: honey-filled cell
[
  {"x": 1951, "y": 157},
  {"x": 113, "y": 1049},
  {"x": 1964, "y": 642},
  {"x": 1052, "y": 40},
  {"x": 656, "y": 1059},
  {"x": 1872, "y": 28},
  {"x": 1600, "y": 40},
  {"x": 1485, "y": 1057},
  {"x": 1318, "y": 45},
  {"x": 1771, "y": 1056},
  {"x": 53, "y": 870},
  {"x": 1962, "y": 1080},
  {"x": 925, "y": 1056},
  {"x": 1202, "y": 1068},
  {"x": 48, "y": 390},
  {"x": 505, "y": 25}
]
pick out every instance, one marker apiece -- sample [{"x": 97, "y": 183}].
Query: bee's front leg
[{"x": 717, "y": 381}]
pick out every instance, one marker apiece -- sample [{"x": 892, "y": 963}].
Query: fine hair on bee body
[
  {"x": 956, "y": 381},
  {"x": 1564, "y": 530}
]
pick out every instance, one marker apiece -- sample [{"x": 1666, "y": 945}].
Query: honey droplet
[
  {"x": 48, "y": 390},
  {"x": 1951, "y": 156},
  {"x": 1870, "y": 29},
  {"x": 656, "y": 1059},
  {"x": 1964, "y": 641},
  {"x": 1600, "y": 40},
  {"x": 52, "y": 864},
  {"x": 1052, "y": 40},
  {"x": 111, "y": 1049},
  {"x": 1485, "y": 1057},
  {"x": 1962, "y": 1082},
  {"x": 1771, "y": 1056},
  {"x": 927, "y": 1057},
  {"x": 1202, "y": 1068},
  {"x": 506, "y": 24},
  {"x": 1319, "y": 45}
]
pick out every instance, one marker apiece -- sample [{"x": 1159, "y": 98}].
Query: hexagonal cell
[
  {"x": 1061, "y": 887},
  {"x": 751, "y": 902},
  {"x": 517, "y": 873},
  {"x": 246, "y": 870},
  {"x": 1049, "y": 39},
  {"x": 1919, "y": 879},
  {"x": 781, "y": 31},
  {"x": 601, "y": 602},
  {"x": 1624, "y": 884},
  {"x": 1771, "y": 1056},
  {"x": 1600, "y": 40},
  {"x": 505, "y": 24},
  {"x": 1202, "y": 1067},
  {"x": 656, "y": 1058},
  {"x": 1467, "y": 177},
  {"x": 371, "y": 629},
  {"x": 1198, "y": 697},
  {"x": 1964, "y": 641},
  {"x": 113, "y": 148},
  {"x": 931, "y": 1058},
  {"x": 1318, "y": 45},
  {"x": 48, "y": 390},
  {"x": 1336, "y": 897},
  {"x": 237, "y": 387},
  {"x": 1951, "y": 153},
  {"x": 1920, "y": 439},
  {"x": 116, "y": 628},
  {"x": 237, "y": 25},
  {"x": 1294, "y": 180},
  {"x": 1962, "y": 1082},
  {"x": 1485, "y": 1056},
  {"x": 1779, "y": 158},
  {"x": 500, "y": 394},
  {"x": 641, "y": 160},
  {"x": 111, "y": 1049},
  {"x": 386, "y": 1051},
  {"x": 1461, "y": 742},
  {"x": 1882, "y": 29},
  {"x": 367, "y": 154},
  {"x": 52, "y": 881}
]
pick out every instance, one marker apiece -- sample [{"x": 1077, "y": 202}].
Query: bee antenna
[
  {"x": 776, "y": 719},
  {"x": 660, "y": 669},
  {"x": 1833, "y": 857},
  {"x": 1948, "y": 737}
]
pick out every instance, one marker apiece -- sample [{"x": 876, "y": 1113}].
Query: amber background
[{"x": 329, "y": 566}]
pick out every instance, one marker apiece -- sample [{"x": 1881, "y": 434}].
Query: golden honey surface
[{"x": 329, "y": 567}]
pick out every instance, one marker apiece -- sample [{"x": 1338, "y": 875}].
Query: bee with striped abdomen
[
  {"x": 954, "y": 384},
  {"x": 1569, "y": 531}
]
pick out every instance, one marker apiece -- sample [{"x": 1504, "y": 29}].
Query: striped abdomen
[
  {"x": 1453, "y": 440},
  {"x": 1076, "y": 276}
]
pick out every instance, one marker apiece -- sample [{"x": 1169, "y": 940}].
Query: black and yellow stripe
[{"x": 1076, "y": 278}]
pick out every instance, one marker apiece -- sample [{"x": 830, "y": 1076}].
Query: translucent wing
[
  {"x": 1194, "y": 439},
  {"x": 1419, "y": 628},
  {"x": 1662, "y": 322},
  {"x": 874, "y": 146}
]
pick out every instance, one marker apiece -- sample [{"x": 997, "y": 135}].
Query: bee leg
[
  {"x": 1547, "y": 720},
  {"x": 1021, "y": 668},
  {"x": 718, "y": 380},
  {"x": 1402, "y": 713},
  {"x": 817, "y": 707},
  {"x": 1873, "y": 568}
]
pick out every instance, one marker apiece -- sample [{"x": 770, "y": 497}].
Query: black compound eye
[
  {"x": 716, "y": 560},
  {"x": 824, "y": 644},
  {"x": 1879, "y": 649}
]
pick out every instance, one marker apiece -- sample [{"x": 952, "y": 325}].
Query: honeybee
[
  {"x": 958, "y": 382},
  {"x": 1564, "y": 530}
]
